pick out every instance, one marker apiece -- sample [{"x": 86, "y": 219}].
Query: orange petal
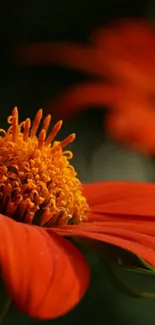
[
  {"x": 121, "y": 199},
  {"x": 83, "y": 96},
  {"x": 44, "y": 274},
  {"x": 136, "y": 243},
  {"x": 75, "y": 56},
  {"x": 129, "y": 48},
  {"x": 123, "y": 214}
]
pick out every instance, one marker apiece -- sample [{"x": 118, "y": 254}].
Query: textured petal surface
[
  {"x": 44, "y": 274},
  {"x": 123, "y": 214},
  {"x": 129, "y": 198},
  {"x": 137, "y": 243}
]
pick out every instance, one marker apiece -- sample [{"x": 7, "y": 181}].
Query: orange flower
[
  {"x": 41, "y": 200},
  {"x": 123, "y": 54}
]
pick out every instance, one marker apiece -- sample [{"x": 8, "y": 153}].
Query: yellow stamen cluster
[{"x": 37, "y": 183}]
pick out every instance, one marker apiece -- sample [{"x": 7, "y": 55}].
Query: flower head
[
  {"x": 37, "y": 183},
  {"x": 42, "y": 200},
  {"x": 38, "y": 186}
]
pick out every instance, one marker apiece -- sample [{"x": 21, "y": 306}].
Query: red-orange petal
[
  {"x": 132, "y": 199},
  {"x": 136, "y": 243},
  {"x": 44, "y": 274},
  {"x": 82, "y": 96},
  {"x": 123, "y": 214}
]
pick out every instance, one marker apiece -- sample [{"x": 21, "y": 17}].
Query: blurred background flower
[{"x": 95, "y": 156}]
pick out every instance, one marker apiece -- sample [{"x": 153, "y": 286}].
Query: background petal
[{"x": 44, "y": 274}]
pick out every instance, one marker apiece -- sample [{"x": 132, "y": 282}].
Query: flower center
[{"x": 37, "y": 183}]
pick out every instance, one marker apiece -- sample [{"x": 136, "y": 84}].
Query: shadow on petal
[{"x": 134, "y": 242}]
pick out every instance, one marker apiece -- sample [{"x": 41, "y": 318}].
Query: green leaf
[{"x": 121, "y": 286}]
